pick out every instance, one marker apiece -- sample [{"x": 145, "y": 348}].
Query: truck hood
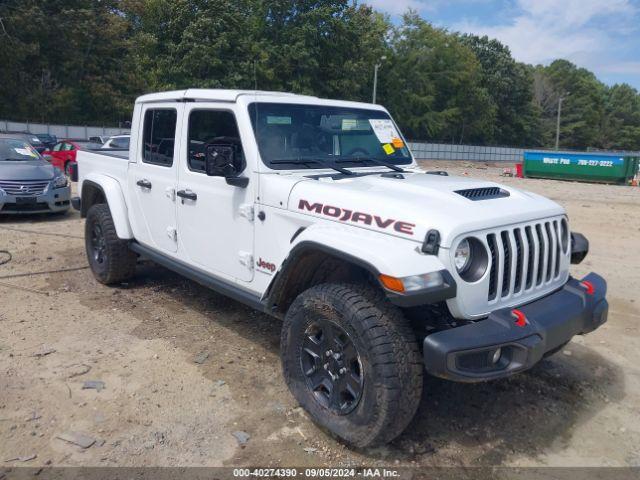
[
  {"x": 411, "y": 204},
  {"x": 26, "y": 170}
]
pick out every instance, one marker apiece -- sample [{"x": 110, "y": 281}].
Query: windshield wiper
[
  {"x": 307, "y": 161},
  {"x": 372, "y": 160},
  {"x": 16, "y": 159}
]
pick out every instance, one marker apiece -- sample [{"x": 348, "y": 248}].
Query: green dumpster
[{"x": 588, "y": 167}]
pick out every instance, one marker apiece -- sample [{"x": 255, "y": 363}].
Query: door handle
[
  {"x": 187, "y": 194},
  {"x": 144, "y": 183}
]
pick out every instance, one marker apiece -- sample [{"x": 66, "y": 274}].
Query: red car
[{"x": 63, "y": 154}]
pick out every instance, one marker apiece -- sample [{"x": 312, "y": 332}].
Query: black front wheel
[
  {"x": 351, "y": 360},
  {"x": 332, "y": 366},
  {"x": 109, "y": 257}
]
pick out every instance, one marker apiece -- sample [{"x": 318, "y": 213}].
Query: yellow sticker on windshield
[{"x": 388, "y": 148}]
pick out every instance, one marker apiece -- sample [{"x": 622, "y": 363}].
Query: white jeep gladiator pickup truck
[{"x": 314, "y": 211}]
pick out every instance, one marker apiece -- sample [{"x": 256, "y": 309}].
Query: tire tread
[
  {"x": 121, "y": 261},
  {"x": 393, "y": 351}
]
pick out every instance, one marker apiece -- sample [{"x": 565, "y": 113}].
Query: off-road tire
[
  {"x": 391, "y": 362},
  {"x": 118, "y": 262}
]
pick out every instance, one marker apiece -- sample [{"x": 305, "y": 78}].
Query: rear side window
[
  {"x": 159, "y": 136},
  {"x": 211, "y": 127}
]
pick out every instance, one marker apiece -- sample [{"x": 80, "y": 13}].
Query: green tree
[
  {"x": 583, "y": 108},
  {"x": 312, "y": 47},
  {"x": 621, "y": 129},
  {"x": 192, "y": 43},
  {"x": 431, "y": 84},
  {"x": 64, "y": 60},
  {"x": 325, "y": 48},
  {"x": 510, "y": 86}
]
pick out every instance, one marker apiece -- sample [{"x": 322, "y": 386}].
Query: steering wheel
[{"x": 355, "y": 150}]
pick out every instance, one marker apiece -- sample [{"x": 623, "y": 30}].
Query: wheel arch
[
  {"x": 310, "y": 263},
  {"x": 103, "y": 189},
  {"x": 322, "y": 254}
]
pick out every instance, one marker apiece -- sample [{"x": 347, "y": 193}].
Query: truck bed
[{"x": 109, "y": 163}]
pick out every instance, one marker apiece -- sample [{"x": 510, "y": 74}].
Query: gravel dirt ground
[{"x": 192, "y": 378}]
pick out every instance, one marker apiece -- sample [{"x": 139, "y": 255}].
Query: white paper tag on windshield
[
  {"x": 384, "y": 129},
  {"x": 25, "y": 152}
]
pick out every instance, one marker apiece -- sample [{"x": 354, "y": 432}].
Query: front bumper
[
  {"x": 51, "y": 200},
  {"x": 468, "y": 353}
]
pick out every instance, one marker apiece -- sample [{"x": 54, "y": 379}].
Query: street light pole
[
  {"x": 375, "y": 78},
  {"x": 560, "y": 99}
]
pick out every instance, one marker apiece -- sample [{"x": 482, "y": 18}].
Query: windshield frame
[{"x": 328, "y": 160}]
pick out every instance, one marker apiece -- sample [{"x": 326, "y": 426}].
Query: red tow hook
[
  {"x": 588, "y": 286},
  {"x": 521, "y": 319}
]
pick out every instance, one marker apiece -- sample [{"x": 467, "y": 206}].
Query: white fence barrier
[{"x": 60, "y": 131}]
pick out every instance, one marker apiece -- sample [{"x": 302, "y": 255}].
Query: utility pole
[
  {"x": 560, "y": 99},
  {"x": 375, "y": 77}
]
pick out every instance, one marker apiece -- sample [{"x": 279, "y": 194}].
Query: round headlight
[
  {"x": 471, "y": 259},
  {"x": 462, "y": 256}
]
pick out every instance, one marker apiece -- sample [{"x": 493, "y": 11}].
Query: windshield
[
  {"x": 16, "y": 150},
  {"x": 308, "y": 136}
]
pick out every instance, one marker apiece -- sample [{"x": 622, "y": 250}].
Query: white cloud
[
  {"x": 543, "y": 30},
  {"x": 601, "y": 35},
  {"x": 574, "y": 13},
  {"x": 626, "y": 68}
]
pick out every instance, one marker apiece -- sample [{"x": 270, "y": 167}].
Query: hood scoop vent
[{"x": 484, "y": 193}]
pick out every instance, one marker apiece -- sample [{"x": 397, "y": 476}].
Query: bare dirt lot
[{"x": 185, "y": 368}]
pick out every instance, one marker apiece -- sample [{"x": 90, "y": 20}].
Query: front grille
[
  {"x": 484, "y": 193},
  {"x": 20, "y": 188},
  {"x": 523, "y": 258}
]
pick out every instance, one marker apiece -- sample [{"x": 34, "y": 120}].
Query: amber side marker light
[{"x": 391, "y": 283}]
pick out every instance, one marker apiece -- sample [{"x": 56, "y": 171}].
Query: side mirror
[{"x": 220, "y": 161}]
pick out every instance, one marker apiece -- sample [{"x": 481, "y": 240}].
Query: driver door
[{"x": 215, "y": 228}]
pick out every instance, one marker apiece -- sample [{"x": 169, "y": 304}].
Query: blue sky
[{"x": 601, "y": 35}]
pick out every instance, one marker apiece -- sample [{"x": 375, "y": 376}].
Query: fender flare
[
  {"x": 373, "y": 252},
  {"x": 114, "y": 195},
  {"x": 377, "y": 253}
]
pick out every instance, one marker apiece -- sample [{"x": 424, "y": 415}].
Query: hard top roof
[{"x": 222, "y": 95}]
